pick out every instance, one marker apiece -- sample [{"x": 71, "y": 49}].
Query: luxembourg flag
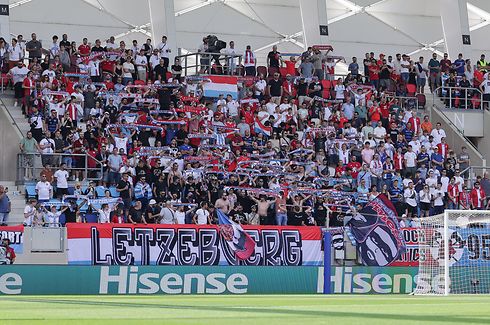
[
  {"x": 221, "y": 85},
  {"x": 259, "y": 127},
  {"x": 239, "y": 241}
]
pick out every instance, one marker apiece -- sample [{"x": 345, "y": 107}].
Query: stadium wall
[{"x": 145, "y": 280}]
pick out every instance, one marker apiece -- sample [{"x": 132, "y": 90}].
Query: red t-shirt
[
  {"x": 290, "y": 68},
  {"x": 84, "y": 49}
]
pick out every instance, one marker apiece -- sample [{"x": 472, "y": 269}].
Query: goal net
[{"x": 454, "y": 253}]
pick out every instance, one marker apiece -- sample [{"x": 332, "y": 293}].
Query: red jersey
[
  {"x": 476, "y": 197},
  {"x": 290, "y": 68},
  {"x": 84, "y": 49},
  {"x": 355, "y": 166},
  {"x": 453, "y": 193}
]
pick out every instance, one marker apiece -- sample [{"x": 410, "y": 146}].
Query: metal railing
[
  {"x": 198, "y": 63},
  {"x": 29, "y": 165},
  {"x": 459, "y": 97},
  {"x": 405, "y": 101}
]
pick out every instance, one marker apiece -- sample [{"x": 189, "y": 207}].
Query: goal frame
[{"x": 445, "y": 237}]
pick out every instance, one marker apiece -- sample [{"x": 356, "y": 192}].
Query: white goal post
[{"x": 454, "y": 250}]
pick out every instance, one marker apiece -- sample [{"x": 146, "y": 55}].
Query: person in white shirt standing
[
  {"x": 47, "y": 146},
  {"x": 18, "y": 73},
  {"x": 15, "y": 52},
  {"x": 29, "y": 212},
  {"x": 44, "y": 190},
  {"x": 141, "y": 63},
  {"x": 410, "y": 159},
  {"x": 54, "y": 50},
  {"x": 485, "y": 89},
  {"x": 231, "y": 62},
  {"x": 202, "y": 215},
  {"x": 61, "y": 177},
  {"x": 164, "y": 50},
  {"x": 438, "y": 133}
]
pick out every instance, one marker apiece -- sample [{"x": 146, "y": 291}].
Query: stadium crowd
[{"x": 297, "y": 146}]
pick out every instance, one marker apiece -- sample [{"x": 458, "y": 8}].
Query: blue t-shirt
[
  {"x": 459, "y": 63},
  {"x": 4, "y": 204}
]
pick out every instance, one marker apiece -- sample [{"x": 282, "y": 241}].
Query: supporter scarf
[
  {"x": 197, "y": 79},
  {"x": 76, "y": 75},
  {"x": 248, "y": 101},
  {"x": 189, "y": 99},
  {"x": 160, "y": 86},
  {"x": 168, "y": 122},
  {"x": 55, "y": 93},
  {"x": 129, "y": 95},
  {"x": 54, "y": 204},
  {"x": 147, "y": 100},
  {"x": 333, "y": 101},
  {"x": 162, "y": 112},
  {"x": 191, "y": 109},
  {"x": 143, "y": 149},
  {"x": 201, "y": 136},
  {"x": 301, "y": 151},
  {"x": 253, "y": 190},
  {"x": 134, "y": 126},
  {"x": 104, "y": 201}
]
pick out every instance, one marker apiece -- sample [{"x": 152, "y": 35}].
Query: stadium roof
[{"x": 356, "y": 26}]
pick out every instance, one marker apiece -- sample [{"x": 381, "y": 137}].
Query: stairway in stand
[{"x": 17, "y": 199}]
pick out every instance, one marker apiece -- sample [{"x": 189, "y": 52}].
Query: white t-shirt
[
  {"x": 202, "y": 216},
  {"x": 121, "y": 143},
  {"x": 49, "y": 143},
  {"x": 104, "y": 216},
  {"x": 94, "y": 68},
  {"x": 141, "y": 59},
  {"x": 438, "y": 135},
  {"x": 43, "y": 190},
  {"x": 410, "y": 197},
  {"x": 18, "y": 74},
  {"x": 260, "y": 85},
  {"x": 180, "y": 216},
  {"x": 438, "y": 195},
  {"x": 52, "y": 219},
  {"x": 28, "y": 210},
  {"x": 410, "y": 158},
  {"x": 163, "y": 48},
  {"x": 15, "y": 53},
  {"x": 486, "y": 86},
  {"x": 424, "y": 197},
  {"x": 130, "y": 67},
  {"x": 403, "y": 69},
  {"x": 339, "y": 91},
  {"x": 61, "y": 178}
]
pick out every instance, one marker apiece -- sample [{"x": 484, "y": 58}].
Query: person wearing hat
[{"x": 152, "y": 211}]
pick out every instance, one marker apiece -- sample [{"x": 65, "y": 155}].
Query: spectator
[{"x": 5, "y": 206}]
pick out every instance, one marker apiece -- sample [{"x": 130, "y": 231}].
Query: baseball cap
[{"x": 152, "y": 201}]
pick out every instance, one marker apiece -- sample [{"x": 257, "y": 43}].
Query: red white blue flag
[
  {"x": 221, "y": 85},
  {"x": 239, "y": 241}
]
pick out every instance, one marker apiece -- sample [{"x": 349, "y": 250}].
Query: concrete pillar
[
  {"x": 314, "y": 21},
  {"x": 456, "y": 28},
  {"x": 5, "y": 20},
  {"x": 162, "y": 19}
]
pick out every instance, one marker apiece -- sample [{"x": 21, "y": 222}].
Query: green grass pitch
[{"x": 249, "y": 309}]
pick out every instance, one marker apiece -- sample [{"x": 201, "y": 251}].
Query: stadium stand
[{"x": 115, "y": 127}]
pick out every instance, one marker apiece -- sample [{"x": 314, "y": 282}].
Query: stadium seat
[
  {"x": 31, "y": 191},
  {"x": 100, "y": 190},
  {"x": 283, "y": 71},
  {"x": 411, "y": 90},
  {"x": 113, "y": 191},
  {"x": 91, "y": 218},
  {"x": 71, "y": 190},
  {"x": 62, "y": 219},
  {"x": 262, "y": 70}
]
